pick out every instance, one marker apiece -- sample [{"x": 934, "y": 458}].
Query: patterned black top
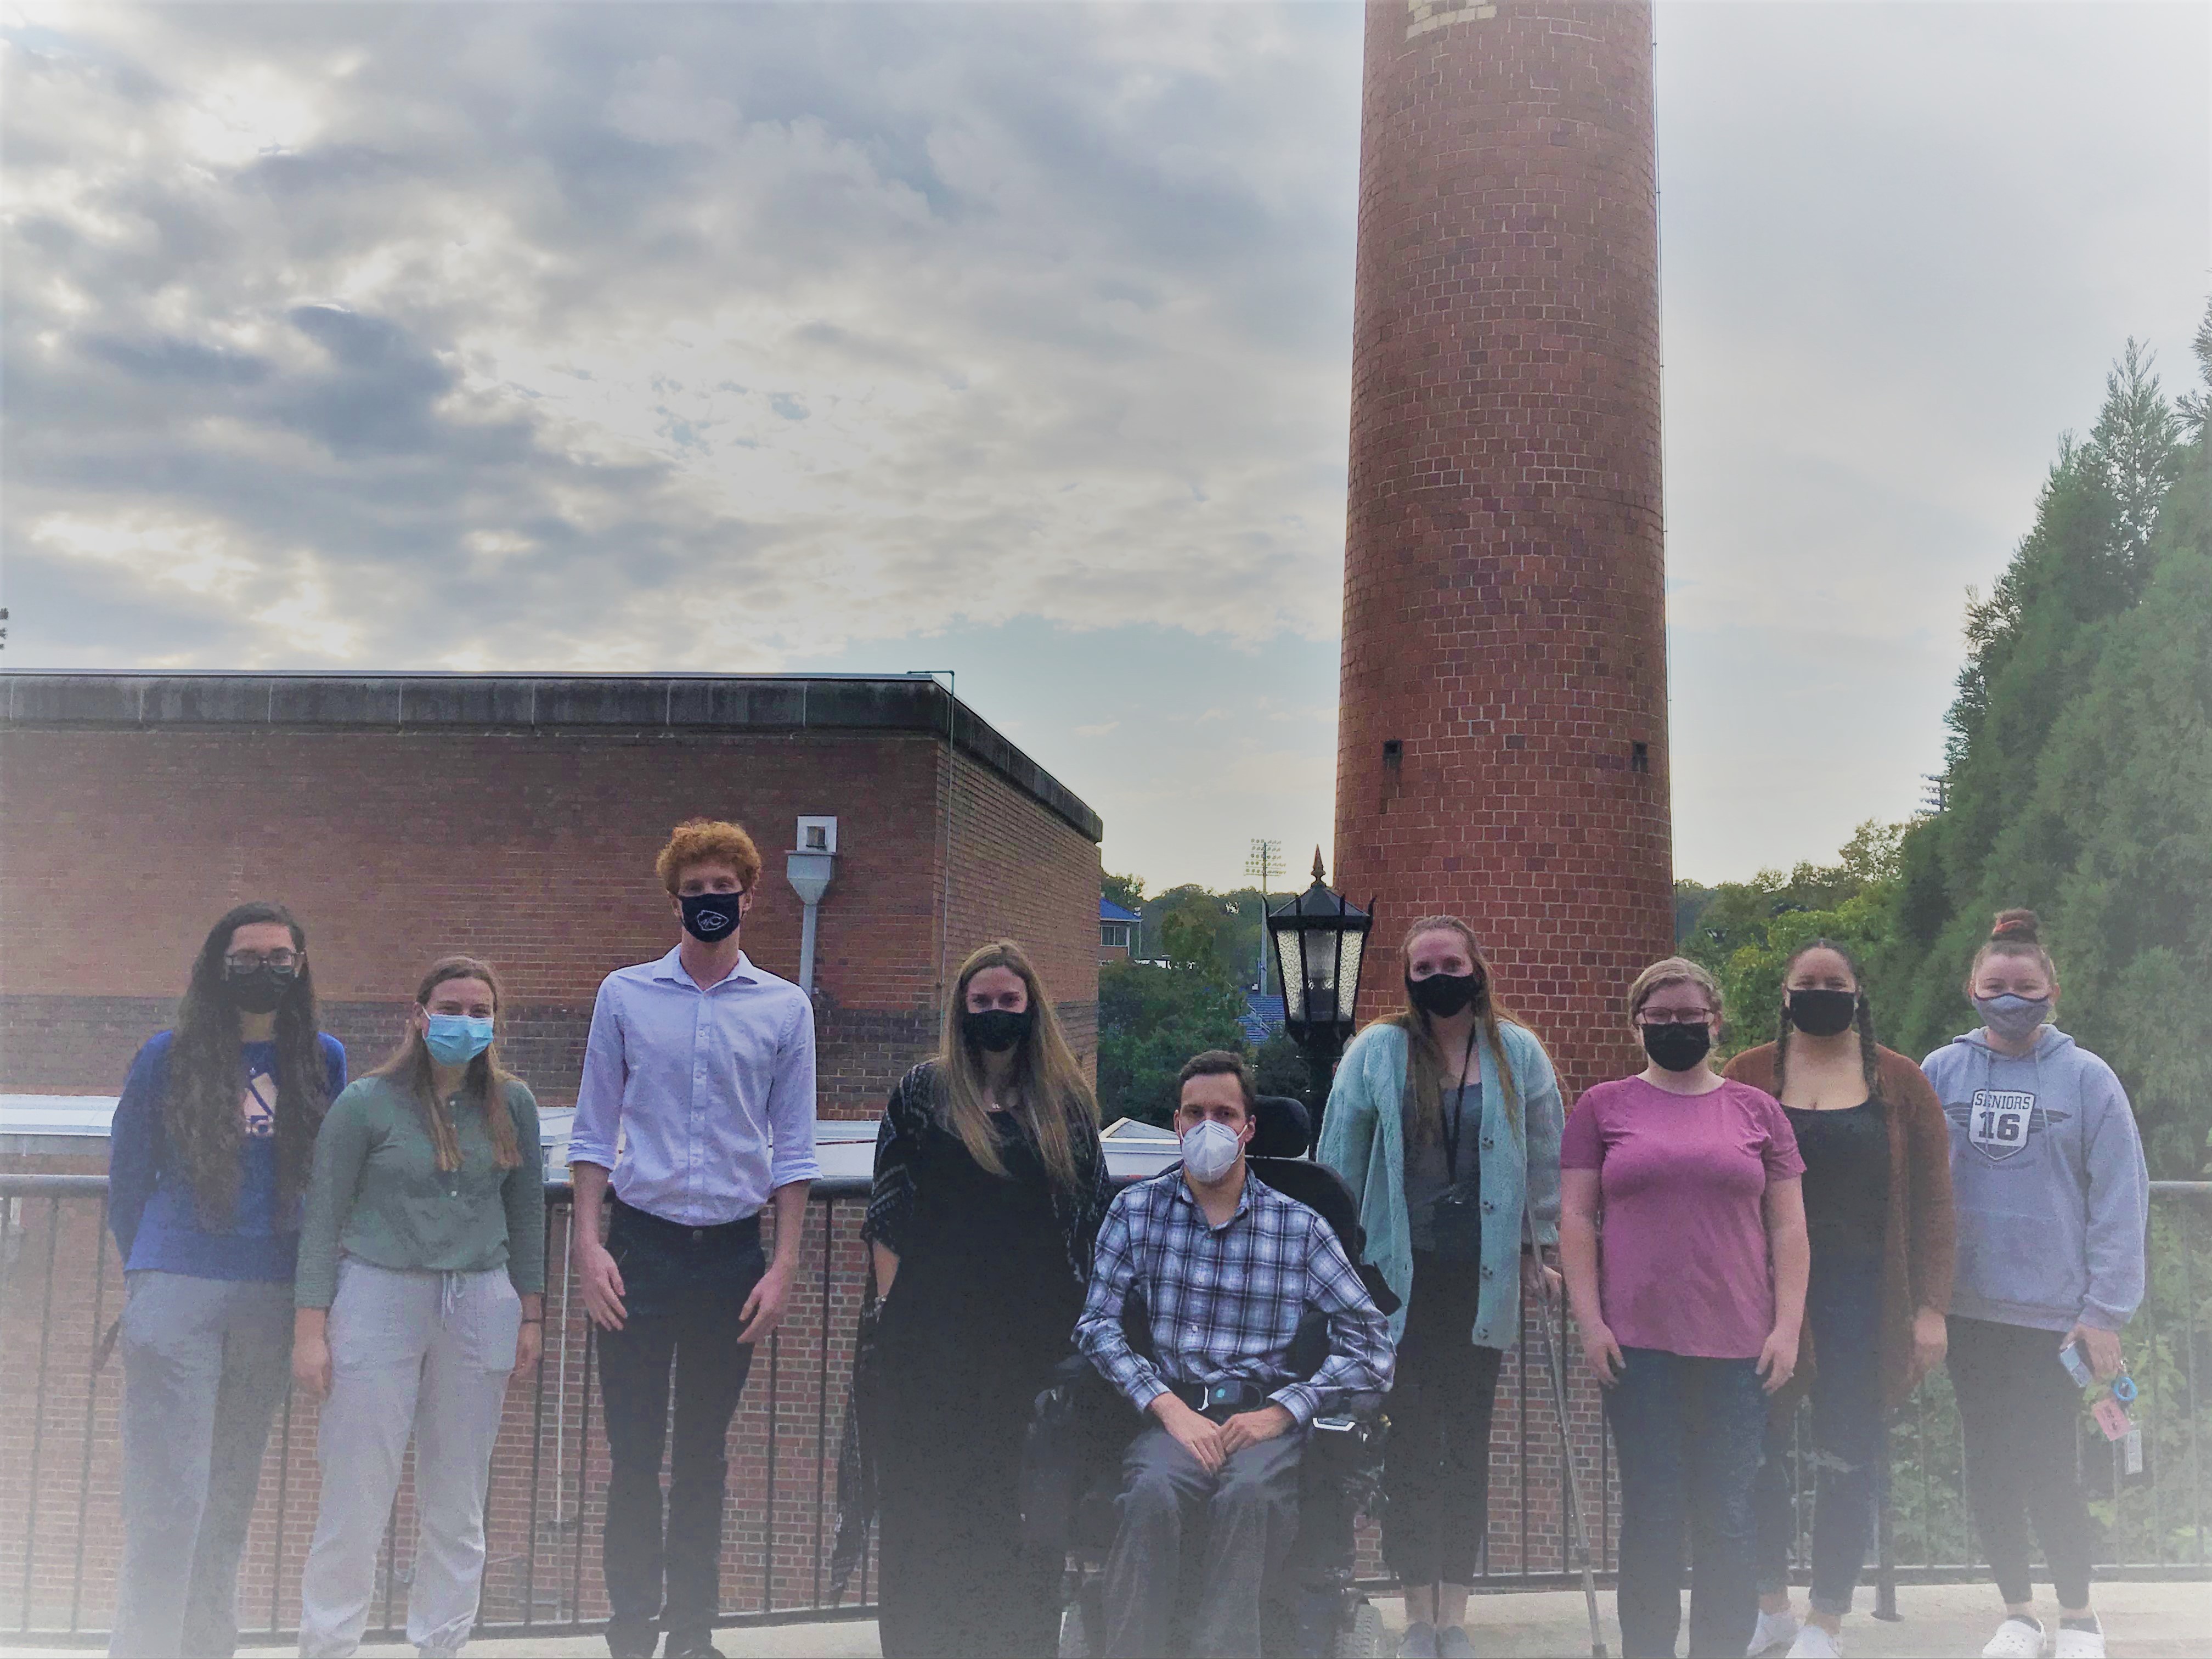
[{"x": 910, "y": 1123}]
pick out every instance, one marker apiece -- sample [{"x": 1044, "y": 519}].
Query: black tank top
[{"x": 1846, "y": 1154}]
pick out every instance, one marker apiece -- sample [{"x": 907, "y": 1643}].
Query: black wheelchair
[{"x": 1081, "y": 1425}]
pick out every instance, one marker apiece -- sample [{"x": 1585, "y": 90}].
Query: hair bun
[{"x": 2023, "y": 925}]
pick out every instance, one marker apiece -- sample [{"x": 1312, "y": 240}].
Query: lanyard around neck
[{"x": 1452, "y": 1125}]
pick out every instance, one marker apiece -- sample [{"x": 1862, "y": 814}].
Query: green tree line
[
  {"x": 2077, "y": 782},
  {"x": 1198, "y": 954}
]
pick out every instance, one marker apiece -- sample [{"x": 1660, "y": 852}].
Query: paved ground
[{"x": 2142, "y": 1621}]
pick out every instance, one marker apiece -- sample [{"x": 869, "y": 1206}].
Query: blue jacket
[
  {"x": 1362, "y": 1139},
  {"x": 151, "y": 1207}
]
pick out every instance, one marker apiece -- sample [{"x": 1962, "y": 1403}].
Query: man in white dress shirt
[{"x": 697, "y": 1109}]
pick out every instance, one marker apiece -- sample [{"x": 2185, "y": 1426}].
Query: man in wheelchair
[{"x": 1227, "y": 1269}]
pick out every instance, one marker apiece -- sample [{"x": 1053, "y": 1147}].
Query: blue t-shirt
[{"x": 151, "y": 1206}]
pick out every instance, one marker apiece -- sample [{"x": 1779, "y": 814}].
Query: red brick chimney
[{"x": 1502, "y": 749}]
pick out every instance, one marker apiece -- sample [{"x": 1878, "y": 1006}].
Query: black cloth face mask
[
  {"x": 1677, "y": 1047},
  {"x": 258, "y": 989},
  {"x": 994, "y": 1029},
  {"x": 1445, "y": 994},
  {"x": 710, "y": 918},
  {"x": 1823, "y": 1013}
]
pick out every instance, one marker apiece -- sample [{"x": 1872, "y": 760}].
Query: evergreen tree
[{"x": 2080, "y": 766}]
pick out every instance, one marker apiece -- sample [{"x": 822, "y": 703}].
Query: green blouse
[{"x": 377, "y": 1192}]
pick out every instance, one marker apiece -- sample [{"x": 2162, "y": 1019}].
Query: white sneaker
[
  {"x": 2079, "y": 1643},
  {"x": 1775, "y": 1630},
  {"x": 2016, "y": 1638},
  {"x": 1814, "y": 1643}
]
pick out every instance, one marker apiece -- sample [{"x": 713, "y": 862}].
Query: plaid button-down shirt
[{"x": 1224, "y": 1301}]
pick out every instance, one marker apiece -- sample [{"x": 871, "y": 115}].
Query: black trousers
[
  {"x": 2020, "y": 1411},
  {"x": 684, "y": 1289},
  {"x": 1437, "y": 1468},
  {"x": 1843, "y": 1304}
]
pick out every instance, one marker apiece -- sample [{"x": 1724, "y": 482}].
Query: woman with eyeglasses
[
  {"x": 1689, "y": 1309},
  {"x": 208, "y": 1157},
  {"x": 1444, "y": 1122},
  {"x": 1877, "y": 1157},
  {"x": 420, "y": 1289}
]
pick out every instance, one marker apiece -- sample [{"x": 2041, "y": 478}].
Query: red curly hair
[{"x": 708, "y": 841}]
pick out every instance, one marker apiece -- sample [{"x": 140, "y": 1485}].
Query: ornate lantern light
[{"x": 1319, "y": 941}]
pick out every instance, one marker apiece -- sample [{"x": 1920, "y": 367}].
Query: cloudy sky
[{"x": 1014, "y": 339}]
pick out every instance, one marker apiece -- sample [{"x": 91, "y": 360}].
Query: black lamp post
[{"x": 1318, "y": 941}]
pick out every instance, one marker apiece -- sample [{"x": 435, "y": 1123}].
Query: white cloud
[{"x": 647, "y": 337}]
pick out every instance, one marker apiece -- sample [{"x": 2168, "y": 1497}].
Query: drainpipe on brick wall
[{"x": 809, "y": 874}]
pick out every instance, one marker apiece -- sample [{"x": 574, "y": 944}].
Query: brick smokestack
[{"x": 1501, "y": 748}]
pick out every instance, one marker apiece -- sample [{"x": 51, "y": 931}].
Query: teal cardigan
[{"x": 1362, "y": 1139}]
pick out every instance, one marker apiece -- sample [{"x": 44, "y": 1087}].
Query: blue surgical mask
[
  {"x": 2014, "y": 1019},
  {"x": 455, "y": 1039},
  {"x": 1210, "y": 1149}
]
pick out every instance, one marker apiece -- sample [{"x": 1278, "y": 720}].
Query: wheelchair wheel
[{"x": 1364, "y": 1638}]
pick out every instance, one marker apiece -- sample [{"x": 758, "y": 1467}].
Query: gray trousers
[
  {"x": 425, "y": 1351},
  {"x": 1247, "y": 1516},
  {"x": 205, "y": 1361}
]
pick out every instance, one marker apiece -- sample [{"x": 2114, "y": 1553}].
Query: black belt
[
  {"x": 723, "y": 1235},
  {"x": 1218, "y": 1400}
]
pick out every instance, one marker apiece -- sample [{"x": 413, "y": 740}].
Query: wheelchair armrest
[
  {"x": 1073, "y": 1371},
  {"x": 1343, "y": 1464},
  {"x": 1364, "y": 1407},
  {"x": 1079, "y": 1425}
]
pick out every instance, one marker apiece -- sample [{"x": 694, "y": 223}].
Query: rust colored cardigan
[{"x": 1919, "y": 1241}]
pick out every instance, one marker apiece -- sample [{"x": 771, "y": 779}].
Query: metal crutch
[{"x": 1571, "y": 1486}]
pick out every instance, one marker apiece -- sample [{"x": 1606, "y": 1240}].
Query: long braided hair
[
  {"x": 1870, "y": 1053},
  {"x": 201, "y": 1114}
]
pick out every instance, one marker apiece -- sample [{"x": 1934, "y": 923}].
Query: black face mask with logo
[
  {"x": 1677, "y": 1047},
  {"x": 710, "y": 918}
]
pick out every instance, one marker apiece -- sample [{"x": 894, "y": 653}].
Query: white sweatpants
[{"x": 425, "y": 1351}]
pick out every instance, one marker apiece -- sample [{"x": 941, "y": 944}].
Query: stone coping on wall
[{"x": 676, "y": 704}]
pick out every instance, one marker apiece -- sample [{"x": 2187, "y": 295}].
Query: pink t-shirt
[{"x": 1682, "y": 1260}]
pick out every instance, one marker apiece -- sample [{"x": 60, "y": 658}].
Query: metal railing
[
  {"x": 60, "y": 1520},
  {"x": 60, "y": 1523}
]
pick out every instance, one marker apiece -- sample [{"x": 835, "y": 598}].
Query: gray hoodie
[{"x": 2047, "y": 1171}]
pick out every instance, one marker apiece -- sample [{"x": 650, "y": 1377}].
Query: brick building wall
[
  {"x": 529, "y": 843},
  {"x": 1502, "y": 728},
  {"x": 517, "y": 820},
  {"x": 1015, "y": 873}
]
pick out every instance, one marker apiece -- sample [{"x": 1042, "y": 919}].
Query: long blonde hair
[
  {"x": 1424, "y": 1057},
  {"x": 485, "y": 1081},
  {"x": 1052, "y": 1101}
]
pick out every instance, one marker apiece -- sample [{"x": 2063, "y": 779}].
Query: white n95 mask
[{"x": 1209, "y": 1150}]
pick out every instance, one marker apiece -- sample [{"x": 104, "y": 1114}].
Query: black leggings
[
  {"x": 2020, "y": 1410},
  {"x": 1436, "y": 1466}
]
